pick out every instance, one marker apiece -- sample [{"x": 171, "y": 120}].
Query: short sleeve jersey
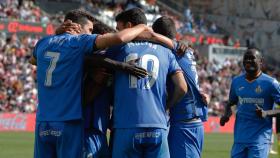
[{"x": 59, "y": 75}]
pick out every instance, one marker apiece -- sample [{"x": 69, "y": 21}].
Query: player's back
[
  {"x": 141, "y": 102},
  {"x": 59, "y": 74},
  {"x": 191, "y": 105}
]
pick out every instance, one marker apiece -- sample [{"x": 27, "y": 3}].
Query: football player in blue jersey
[
  {"x": 98, "y": 98},
  {"x": 186, "y": 133},
  {"x": 249, "y": 91},
  {"x": 139, "y": 112},
  {"x": 59, "y": 59}
]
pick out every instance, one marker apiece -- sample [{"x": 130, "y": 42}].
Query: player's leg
[
  {"x": 91, "y": 144},
  {"x": 70, "y": 143},
  {"x": 96, "y": 145},
  {"x": 186, "y": 140},
  {"x": 239, "y": 150},
  {"x": 123, "y": 145},
  {"x": 44, "y": 146},
  {"x": 154, "y": 143},
  {"x": 258, "y": 150}
]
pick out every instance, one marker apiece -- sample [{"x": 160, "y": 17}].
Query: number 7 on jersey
[{"x": 54, "y": 58}]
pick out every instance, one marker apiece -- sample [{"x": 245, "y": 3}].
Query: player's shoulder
[
  {"x": 265, "y": 78},
  {"x": 164, "y": 49},
  {"x": 80, "y": 38},
  {"x": 238, "y": 78},
  {"x": 43, "y": 40}
]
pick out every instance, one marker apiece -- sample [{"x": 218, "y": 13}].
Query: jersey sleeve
[
  {"x": 87, "y": 43},
  {"x": 173, "y": 64},
  {"x": 232, "y": 94},
  {"x": 275, "y": 91}
]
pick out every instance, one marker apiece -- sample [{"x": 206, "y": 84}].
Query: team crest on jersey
[{"x": 258, "y": 89}]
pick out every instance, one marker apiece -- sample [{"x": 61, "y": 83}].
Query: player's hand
[
  {"x": 224, "y": 120},
  {"x": 69, "y": 27},
  {"x": 132, "y": 68},
  {"x": 145, "y": 35},
  {"x": 182, "y": 48},
  {"x": 205, "y": 97},
  {"x": 260, "y": 113}
]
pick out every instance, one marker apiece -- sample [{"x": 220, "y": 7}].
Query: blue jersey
[
  {"x": 142, "y": 102},
  {"x": 262, "y": 92},
  {"x": 59, "y": 75},
  {"x": 192, "y": 104}
]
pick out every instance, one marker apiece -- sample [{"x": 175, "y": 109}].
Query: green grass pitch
[{"x": 20, "y": 145}]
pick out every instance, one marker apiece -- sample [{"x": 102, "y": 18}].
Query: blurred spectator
[
  {"x": 18, "y": 92},
  {"x": 213, "y": 28},
  {"x": 188, "y": 14}
]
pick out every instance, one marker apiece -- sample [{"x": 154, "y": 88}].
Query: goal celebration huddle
[{"x": 142, "y": 85}]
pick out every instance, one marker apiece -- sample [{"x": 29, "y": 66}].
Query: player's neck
[{"x": 252, "y": 77}]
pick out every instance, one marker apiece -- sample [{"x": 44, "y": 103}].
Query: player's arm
[
  {"x": 141, "y": 31},
  {"x": 182, "y": 48},
  {"x": 233, "y": 99},
  {"x": 69, "y": 27},
  {"x": 228, "y": 112},
  {"x": 33, "y": 58},
  {"x": 267, "y": 113},
  {"x": 101, "y": 61},
  {"x": 33, "y": 61},
  {"x": 180, "y": 88},
  {"x": 124, "y": 36},
  {"x": 155, "y": 37},
  {"x": 275, "y": 94}
]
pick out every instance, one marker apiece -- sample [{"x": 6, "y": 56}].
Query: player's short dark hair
[
  {"x": 165, "y": 26},
  {"x": 79, "y": 16},
  {"x": 135, "y": 16},
  {"x": 100, "y": 28},
  {"x": 256, "y": 51}
]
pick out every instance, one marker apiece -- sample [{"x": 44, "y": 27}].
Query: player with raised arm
[
  {"x": 59, "y": 59},
  {"x": 186, "y": 133},
  {"x": 139, "y": 116},
  {"x": 249, "y": 91}
]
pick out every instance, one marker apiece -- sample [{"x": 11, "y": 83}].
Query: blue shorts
[
  {"x": 186, "y": 140},
  {"x": 140, "y": 143},
  {"x": 250, "y": 150},
  {"x": 96, "y": 145},
  {"x": 58, "y": 139}
]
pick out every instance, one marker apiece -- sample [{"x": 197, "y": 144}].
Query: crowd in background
[
  {"x": 188, "y": 23},
  {"x": 18, "y": 91},
  {"x": 17, "y": 77},
  {"x": 26, "y": 11}
]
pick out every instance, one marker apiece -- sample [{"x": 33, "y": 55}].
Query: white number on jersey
[
  {"x": 54, "y": 58},
  {"x": 144, "y": 60}
]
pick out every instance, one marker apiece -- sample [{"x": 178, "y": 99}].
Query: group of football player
[{"x": 139, "y": 82}]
